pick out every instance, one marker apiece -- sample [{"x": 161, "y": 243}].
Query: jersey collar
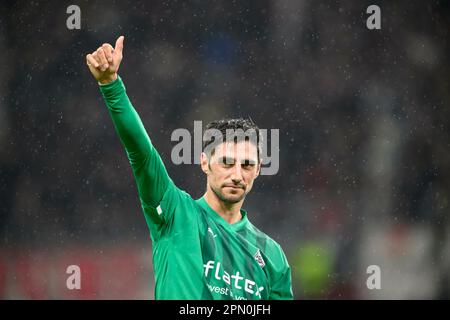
[{"x": 214, "y": 215}]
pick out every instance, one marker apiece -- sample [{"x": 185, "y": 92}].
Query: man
[{"x": 205, "y": 248}]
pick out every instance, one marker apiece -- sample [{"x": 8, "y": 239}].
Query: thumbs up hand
[{"x": 105, "y": 61}]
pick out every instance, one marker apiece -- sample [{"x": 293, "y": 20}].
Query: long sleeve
[
  {"x": 282, "y": 286},
  {"x": 149, "y": 171}
]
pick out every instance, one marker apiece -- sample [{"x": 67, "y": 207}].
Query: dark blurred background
[{"x": 364, "y": 175}]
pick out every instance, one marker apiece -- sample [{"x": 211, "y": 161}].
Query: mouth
[{"x": 233, "y": 187}]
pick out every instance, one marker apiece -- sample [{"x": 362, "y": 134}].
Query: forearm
[
  {"x": 148, "y": 168},
  {"x": 126, "y": 121}
]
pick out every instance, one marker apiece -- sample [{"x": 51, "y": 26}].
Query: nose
[{"x": 236, "y": 177}]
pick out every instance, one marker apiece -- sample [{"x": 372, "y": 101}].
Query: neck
[{"x": 230, "y": 212}]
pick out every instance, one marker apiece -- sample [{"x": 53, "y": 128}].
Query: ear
[{"x": 204, "y": 163}]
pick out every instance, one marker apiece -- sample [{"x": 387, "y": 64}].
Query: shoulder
[
  {"x": 176, "y": 192},
  {"x": 175, "y": 200},
  {"x": 267, "y": 244}
]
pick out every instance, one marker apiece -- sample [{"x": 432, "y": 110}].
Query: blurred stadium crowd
[{"x": 363, "y": 115}]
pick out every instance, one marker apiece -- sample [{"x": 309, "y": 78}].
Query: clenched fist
[{"x": 105, "y": 61}]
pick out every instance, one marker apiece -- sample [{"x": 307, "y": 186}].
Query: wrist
[{"x": 107, "y": 80}]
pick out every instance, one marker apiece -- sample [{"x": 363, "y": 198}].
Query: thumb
[{"x": 119, "y": 44}]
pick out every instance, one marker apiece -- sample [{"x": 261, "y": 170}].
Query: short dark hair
[{"x": 235, "y": 124}]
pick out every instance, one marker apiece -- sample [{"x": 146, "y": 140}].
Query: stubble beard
[{"x": 227, "y": 199}]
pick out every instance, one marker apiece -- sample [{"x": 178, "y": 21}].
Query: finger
[
  {"x": 97, "y": 58},
  {"x": 90, "y": 60},
  {"x": 119, "y": 44},
  {"x": 107, "y": 48},
  {"x": 103, "y": 62}
]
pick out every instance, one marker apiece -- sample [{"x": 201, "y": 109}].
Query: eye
[
  {"x": 227, "y": 162},
  {"x": 247, "y": 164}
]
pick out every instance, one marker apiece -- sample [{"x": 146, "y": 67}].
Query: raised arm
[{"x": 148, "y": 169}]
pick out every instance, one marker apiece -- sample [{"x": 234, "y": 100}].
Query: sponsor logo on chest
[{"x": 234, "y": 280}]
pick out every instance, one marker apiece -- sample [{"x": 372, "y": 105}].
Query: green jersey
[{"x": 196, "y": 253}]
